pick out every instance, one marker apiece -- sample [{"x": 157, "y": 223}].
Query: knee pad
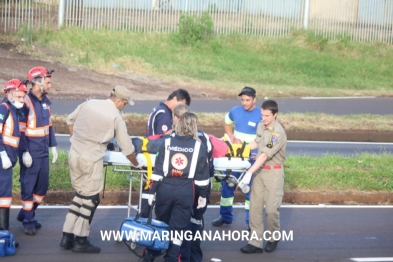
[{"x": 95, "y": 201}]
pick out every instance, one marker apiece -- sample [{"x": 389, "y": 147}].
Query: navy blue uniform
[
  {"x": 160, "y": 120},
  {"x": 191, "y": 250},
  {"x": 40, "y": 136},
  {"x": 181, "y": 165},
  {"x": 10, "y": 137}
]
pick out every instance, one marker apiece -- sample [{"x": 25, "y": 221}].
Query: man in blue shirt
[
  {"x": 160, "y": 120},
  {"x": 240, "y": 124}
]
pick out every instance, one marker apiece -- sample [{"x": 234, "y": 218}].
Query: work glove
[
  {"x": 54, "y": 153},
  {"x": 27, "y": 160},
  {"x": 246, "y": 179},
  {"x": 5, "y": 160},
  {"x": 141, "y": 160},
  {"x": 151, "y": 198},
  {"x": 201, "y": 202}
]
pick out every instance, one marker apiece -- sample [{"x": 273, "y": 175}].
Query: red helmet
[
  {"x": 16, "y": 84},
  {"x": 39, "y": 71}
]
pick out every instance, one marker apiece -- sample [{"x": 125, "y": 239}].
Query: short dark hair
[
  {"x": 180, "y": 94},
  {"x": 270, "y": 105}
]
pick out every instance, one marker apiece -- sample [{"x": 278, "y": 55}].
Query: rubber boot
[
  {"x": 82, "y": 245},
  {"x": 5, "y": 221},
  {"x": 4, "y": 218}
]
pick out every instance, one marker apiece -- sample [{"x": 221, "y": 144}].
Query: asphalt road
[
  {"x": 302, "y": 148},
  {"x": 319, "y": 233},
  {"x": 334, "y": 106}
]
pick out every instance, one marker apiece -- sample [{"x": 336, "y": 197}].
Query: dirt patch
[{"x": 72, "y": 82}]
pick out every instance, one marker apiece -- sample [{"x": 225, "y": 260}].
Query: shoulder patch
[{"x": 275, "y": 136}]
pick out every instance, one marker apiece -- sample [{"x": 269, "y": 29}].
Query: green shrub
[{"x": 194, "y": 29}]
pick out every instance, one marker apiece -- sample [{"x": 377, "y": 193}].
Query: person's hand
[
  {"x": 5, "y": 160},
  {"x": 54, "y": 154},
  {"x": 151, "y": 198},
  {"x": 141, "y": 160},
  {"x": 246, "y": 179},
  {"x": 201, "y": 202},
  {"x": 26, "y": 159},
  {"x": 237, "y": 141}
]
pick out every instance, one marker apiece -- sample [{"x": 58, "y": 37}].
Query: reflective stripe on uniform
[
  {"x": 8, "y": 131},
  {"x": 145, "y": 196},
  {"x": 11, "y": 140},
  {"x": 37, "y": 132},
  {"x": 37, "y": 198},
  {"x": 177, "y": 242},
  {"x": 194, "y": 160},
  {"x": 195, "y": 221},
  {"x": 5, "y": 202},
  {"x": 225, "y": 202},
  {"x": 155, "y": 177},
  {"x": 202, "y": 182},
  {"x": 247, "y": 205},
  {"x": 166, "y": 157},
  {"x": 27, "y": 205},
  {"x": 31, "y": 125},
  {"x": 22, "y": 127}
]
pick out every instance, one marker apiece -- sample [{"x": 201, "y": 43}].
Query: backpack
[
  {"x": 7, "y": 243},
  {"x": 220, "y": 148},
  {"x": 223, "y": 148}
]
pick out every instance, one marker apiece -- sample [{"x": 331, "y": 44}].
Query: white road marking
[
  {"x": 339, "y": 142},
  {"x": 335, "y": 97},
  {"x": 218, "y": 206},
  {"x": 364, "y": 259}
]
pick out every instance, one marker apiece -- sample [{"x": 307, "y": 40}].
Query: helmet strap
[{"x": 42, "y": 85}]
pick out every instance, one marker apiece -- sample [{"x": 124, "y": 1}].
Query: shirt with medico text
[{"x": 95, "y": 123}]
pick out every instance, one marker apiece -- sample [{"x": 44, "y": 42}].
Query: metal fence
[{"x": 360, "y": 20}]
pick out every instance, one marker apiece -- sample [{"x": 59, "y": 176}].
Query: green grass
[
  {"x": 365, "y": 172},
  {"x": 296, "y": 65}
]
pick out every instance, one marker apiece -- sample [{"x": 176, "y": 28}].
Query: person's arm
[
  {"x": 124, "y": 140},
  {"x": 70, "y": 120},
  {"x": 71, "y": 130},
  {"x": 228, "y": 126},
  {"x": 132, "y": 159},
  {"x": 202, "y": 174},
  {"x": 163, "y": 124},
  {"x": 4, "y": 115},
  {"x": 52, "y": 135},
  {"x": 158, "y": 172}
]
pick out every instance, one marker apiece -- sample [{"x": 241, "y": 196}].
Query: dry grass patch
[{"x": 292, "y": 121}]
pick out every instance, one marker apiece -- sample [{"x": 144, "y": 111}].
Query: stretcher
[
  {"x": 223, "y": 166},
  {"x": 223, "y": 172}
]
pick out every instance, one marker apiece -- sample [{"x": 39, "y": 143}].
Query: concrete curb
[{"x": 307, "y": 198}]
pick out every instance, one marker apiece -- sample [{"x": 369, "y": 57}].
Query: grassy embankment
[
  {"x": 365, "y": 172},
  {"x": 301, "y": 64}
]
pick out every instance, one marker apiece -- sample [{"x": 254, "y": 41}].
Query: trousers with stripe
[
  {"x": 227, "y": 196},
  {"x": 5, "y": 187},
  {"x": 34, "y": 183},
  {"x": 87, "y": 179},
  {"x": 191, "y": 250},
  {"x": 175, "y": 210}
]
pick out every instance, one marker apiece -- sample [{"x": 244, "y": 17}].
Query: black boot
[
  {"x": 5, "y": 221},
  {"x": 82, "y": 245},
  {"x": 67, "y": 242},
  {"x": 4, "y": 218}
]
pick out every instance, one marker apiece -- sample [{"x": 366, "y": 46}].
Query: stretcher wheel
[{"x": 132, "y": 246}]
